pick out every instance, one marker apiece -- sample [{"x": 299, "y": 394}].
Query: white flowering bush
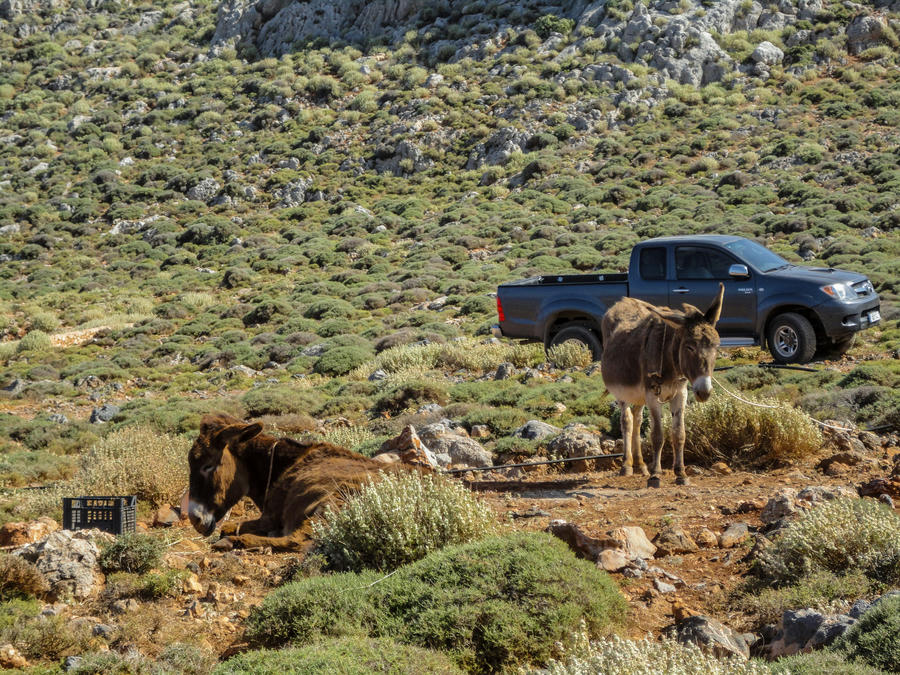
[
  {"x": 615, "y": 656},
  {"x": 841, "y": 536},
  {"x": 400, "y": 518}
]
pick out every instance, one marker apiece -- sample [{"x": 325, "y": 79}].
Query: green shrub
[
  {"x": 841, "y": 536},
  {"x": 725, "y": 429},
  {"x": 821, "y": 663},
  {"x": 550, "y": 23},
  {"x": 875, "y": 637},
  {"x": 279, "y": 400},
  {"x": 824, "y": 591},
  {"x": 615, "y": 656},
  {"x": 489, "y": 604},
  {"x": 398, "y": 397},
  {"x": 133, "y": 552},
  {"x": 341, "y": 360},
  {"x": 20, "y": 579},
  {"x": 399, "y": 519},
  {"x": 344, "y": 656},
  {"x": 34, "y": 341}
]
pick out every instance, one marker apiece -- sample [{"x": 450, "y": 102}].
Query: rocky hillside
[{"x": 299, "y": 212}]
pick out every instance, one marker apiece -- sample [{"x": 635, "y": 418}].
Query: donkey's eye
[{"x": 208, "y": 469}]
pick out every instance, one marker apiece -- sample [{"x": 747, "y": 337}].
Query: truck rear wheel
[
  {"x": 582, "y": 333},
  {"x": 791, "y": 338}
]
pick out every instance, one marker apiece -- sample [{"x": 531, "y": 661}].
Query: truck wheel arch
[{"x": 583, "y": 330}]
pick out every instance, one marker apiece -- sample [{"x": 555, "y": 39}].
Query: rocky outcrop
[
  {"x": 274, "y": 26},
  {"x": 68, "y": 561},
  {"x": 448, "y": 444}
]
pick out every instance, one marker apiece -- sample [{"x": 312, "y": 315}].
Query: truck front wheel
[
  {"x": 580, "y": 333},
  {"x": 791, "y": 338}
]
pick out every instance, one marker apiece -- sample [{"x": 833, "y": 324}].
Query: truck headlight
[{"x": 840, "y": 292}]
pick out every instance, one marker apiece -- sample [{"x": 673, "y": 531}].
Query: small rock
[
  {"x": 480, "y": 431},
  {"x": 19, "y": 534},
  {"x": 707, "y": 538},
  {"x": 192, "y": 584},
  {"x": 11, "y": 658},
  {"x": 712, "y": 637},
  {"x": 505, "y": 371},
  {"x": 536, "y": 430},
  {"x": 378, "y": 376},
  {"x": 720, "y": 469},
  {"x": 673, "y": 540},
  {"x": 409, "y": 448},
  {"x": 734, "y": 535},
  {"x": 612, "y": 560},
  {"x": 663, "y": 587},
  {"x": 165, "y": 516},
  {"x": 104, "y": 414},
  {"x": 781, "y": 506},
  {"x": 634, "y": 541},
  {"x": 125, "y": 606},
  {"x": 103, "y": 630},
  {"x": 583, "y": 544}
]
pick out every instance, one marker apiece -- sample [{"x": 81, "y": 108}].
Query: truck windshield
[{"x": 757, "y": 255}]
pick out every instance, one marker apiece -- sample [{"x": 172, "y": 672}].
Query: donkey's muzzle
[
  {"x": 201, "y": 518},
  {"x": 702, "y": 387}
]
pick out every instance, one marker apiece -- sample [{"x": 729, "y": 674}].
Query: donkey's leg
[
  {"x": 656, "y": 441},
  {"x": 637, "y": 453},
  {"x": 231, "y": 527},
  {"x": 676, "y": 406},
  {"x": 625, "y": 422},
  {"x": 299, "y": 541}
]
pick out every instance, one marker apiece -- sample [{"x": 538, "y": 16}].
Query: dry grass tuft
[{"x": 729, "y": 430}]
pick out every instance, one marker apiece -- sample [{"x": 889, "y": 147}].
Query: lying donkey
[
  {"x": 649, "y": 356},
  {"x": 289, "y": 481}
]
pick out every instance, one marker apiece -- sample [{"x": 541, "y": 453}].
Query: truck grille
[{"x": 863, "y": 288}]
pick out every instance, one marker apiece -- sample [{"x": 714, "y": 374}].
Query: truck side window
[
  {"x": 694, "y": 262},
  {"x": 653, "y": 263}
]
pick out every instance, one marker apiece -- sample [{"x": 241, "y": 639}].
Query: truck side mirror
[{"x": 738, "y": 271}]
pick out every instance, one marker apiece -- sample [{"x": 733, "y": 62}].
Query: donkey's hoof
[
  {"x": 626, "y": 471},
  {"x": 224, "y": 544},
  {"x": 645, "y": 471},
  {"x": 682, "y": 480},
  {"x": 653, "y": 482}
]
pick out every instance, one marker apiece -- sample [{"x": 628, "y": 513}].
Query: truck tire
[
  {"x": 791, "y": 338},
  {"x": 582, "y": 333}
]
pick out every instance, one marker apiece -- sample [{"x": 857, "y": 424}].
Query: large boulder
[
  {"x": 577, "y": 441},
  {"x": 673, "y": 540},
  {"x": 712, "y": 637},
  {"x": 535, "y": 430},
  {"x": 865, "y": 31},
  {"x": 461, "y": 450},
  {"x": 68, "y": 561}
]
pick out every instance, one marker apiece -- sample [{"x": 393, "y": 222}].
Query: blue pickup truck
[{"x": 798, "y": 312}]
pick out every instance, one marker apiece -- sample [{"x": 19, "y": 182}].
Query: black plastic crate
[{"x": 110, "y": 514}]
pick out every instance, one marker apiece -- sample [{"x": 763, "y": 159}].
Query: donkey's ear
[
  {"x": 715, "y": 310},
  {"x": 249, "y": 431},
  {"x": 672, "y": 317},
  {"x": 239, "y": 433}
]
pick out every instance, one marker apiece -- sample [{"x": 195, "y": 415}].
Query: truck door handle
[{"x": 681, "y": 290}]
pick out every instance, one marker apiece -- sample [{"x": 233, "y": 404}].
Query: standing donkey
[{"x": 649, "y": 356}]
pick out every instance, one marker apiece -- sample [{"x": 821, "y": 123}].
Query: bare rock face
[
  {"x": 864, "y": 31},
  {"x": 68, "y": 560},
  {"x": 276, "y": 25}
]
